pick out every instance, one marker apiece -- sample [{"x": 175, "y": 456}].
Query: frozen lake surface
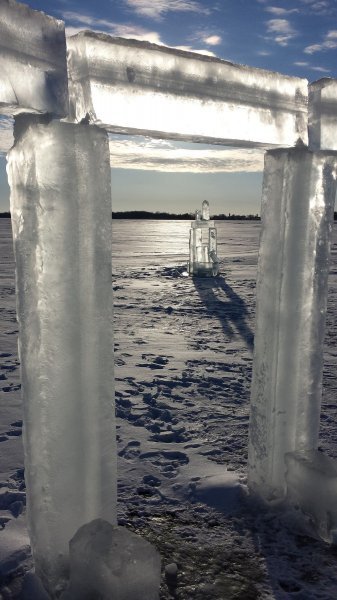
[{"x": 183, "y": 358}]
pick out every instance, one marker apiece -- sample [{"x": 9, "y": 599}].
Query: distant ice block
[
  {"x": 203, "y": 244},
  {"x": 33, "y": 68},
  {"x": 112, "y": 563},
  {"x": 312, "y": 487},
  {"x": 298, "y": 198},
  {"x": 323, "y": 114},
  {"x": 59, "y": 175},
  {"x": 130, "y": 86}
]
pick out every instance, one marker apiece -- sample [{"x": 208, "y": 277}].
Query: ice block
[
  {"x": 129, "y": 86},
  {"x": 112, "y": 563},
  {"x": 323, "y": 114},
  {"x": 298, "y": 198},
  {"x": 33, "y": 68},
  {"x": 312, "y": 487},
  {"x": 59, "y": 175}
]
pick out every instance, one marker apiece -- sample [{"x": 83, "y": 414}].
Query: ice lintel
[
  {"x": 130, "y": 86},
  {"x": 33, "y": 68},
  {"x": 323, "y": 114}
]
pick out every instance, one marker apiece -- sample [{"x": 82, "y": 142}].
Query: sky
[{"x": 294, "y": 37}]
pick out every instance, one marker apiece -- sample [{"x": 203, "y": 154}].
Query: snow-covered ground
[{"x": 183, "y": 359}]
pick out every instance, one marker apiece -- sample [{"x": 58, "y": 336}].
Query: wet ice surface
[{"x": 183, "y": 355}]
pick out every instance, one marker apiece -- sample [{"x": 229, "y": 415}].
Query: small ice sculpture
[{"x": 203, "y": 257}]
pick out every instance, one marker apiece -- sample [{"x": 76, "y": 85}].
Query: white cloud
[
  {"x": 320, "y": 69},
  {"x": 321, "y": 7},
  {"x": 276, "y": 10},
  {"x": 282, "y": 31},
  {"x": 6, "y": 134},
  {"x": 81, "y": 22},
  {"x": 190, "y": 49},
  {"x": 328, "y": 43},
  {"x": 213, "y": 40},
  {"x": 155, "y": 9},
  {"x": 263, "y": 53},
  {"x": 313, "y": 48},
  {"x": 149, "y": 156},
  {"x": 301, "y": 63}
]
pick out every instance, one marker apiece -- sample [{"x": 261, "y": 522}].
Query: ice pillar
[
  {"x": 297, "y": 213},
  {"x": 59, "y": 174}
]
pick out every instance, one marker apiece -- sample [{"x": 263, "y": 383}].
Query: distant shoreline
[{"x": 144, "y": 214}]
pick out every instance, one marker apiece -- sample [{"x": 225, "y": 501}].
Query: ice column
[
  {"x": 203, "y": 258},
  {"x": 297, "y": 213},
  {"x": 323, "y": 114},
  {"x": 59, "y": 174}
]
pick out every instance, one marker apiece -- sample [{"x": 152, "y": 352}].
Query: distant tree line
[{"x": 144, "y": 214}]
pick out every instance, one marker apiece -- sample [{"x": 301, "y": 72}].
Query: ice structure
[
  {"x": 112, "y": 563},
  {"x": 298, "y": 198},
  {"x": 203, "y": 245},
  {"x": 312, "y": 486},
  {"x": 136, "y": 87},
  {"x": 323, "y": 114},
  {"x": 33, "y": 67},
  {"x": 59, "y": 174},
  {"x": 61, "y": 215}
]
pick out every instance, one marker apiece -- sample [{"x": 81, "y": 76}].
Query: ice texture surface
[
  {"x": 59, "y": 175},
  {"x": 33, "y": 67},
  {"x": 112, "y": 563},
  {"x": 312, "y": 487},
  {"x": 323, "y": 114},
  {"x": 298, "y": 198},
  {"x": 137, "y": 87},
  {"x": 6, "y": 134}
]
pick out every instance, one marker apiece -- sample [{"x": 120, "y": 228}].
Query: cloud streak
[
  {"x": 126, "y": 154},
  {"x": 156, "y": 9},
  {"x": 164, "y": 156},
  {"x": 81, "y": 22},
  {"x": 301, "y": 63},
  {"x": 276, "y": 10}
]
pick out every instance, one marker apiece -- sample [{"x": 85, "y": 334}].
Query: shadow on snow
[{"x": 222, "y": 301}]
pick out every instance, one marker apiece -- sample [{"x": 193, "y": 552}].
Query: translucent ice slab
[
  {"x": 137, "y": 87},
  {"x": 59, "y": 175},
  {"x": 312, "y": 486},
  {"x": 298, "y": 198},
  {"x": 323, "y": 114},
  {"x": 33, "y": 72},
  {"x": 109, "y": 562}
]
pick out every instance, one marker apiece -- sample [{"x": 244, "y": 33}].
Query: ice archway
[{"x": 59, "y": 175}]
